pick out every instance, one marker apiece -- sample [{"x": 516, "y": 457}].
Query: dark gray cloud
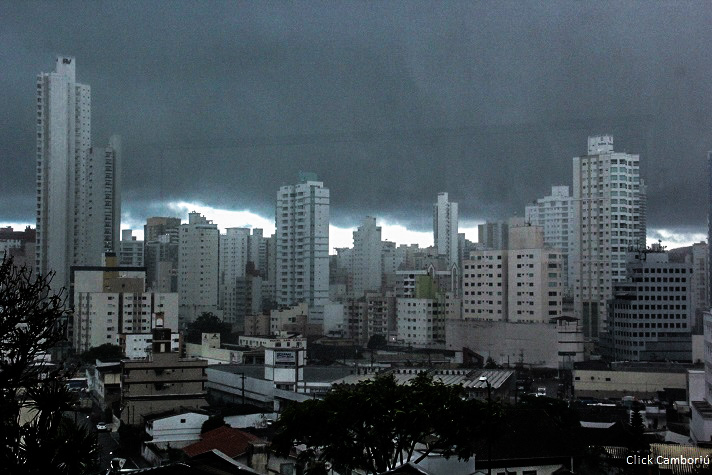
[{"x": 388, "y": 102}]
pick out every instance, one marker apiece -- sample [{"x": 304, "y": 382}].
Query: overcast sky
[{"x": 388, "y": 102}]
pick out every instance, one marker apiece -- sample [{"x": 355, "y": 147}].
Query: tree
[
  {"x": 490, "y": 363},
  {"x": 105, "y": 352},
  {"x": 35, "y": 436},
  {"x": 376, "y": 342},
  {"x": 375, "y": 425},
  {"x": 212, "y": 422},
  {"x": 207, "y": 323}
]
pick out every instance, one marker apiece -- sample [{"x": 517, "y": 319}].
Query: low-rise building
[
  {"x": 162, "y": 382},
  {"x": 641, "y": 380}
]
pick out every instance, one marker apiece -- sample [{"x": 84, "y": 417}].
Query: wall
[{"x": 609, "y": 383}]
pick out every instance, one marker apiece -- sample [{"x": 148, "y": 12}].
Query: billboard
[{"x": 284, "y": 357}]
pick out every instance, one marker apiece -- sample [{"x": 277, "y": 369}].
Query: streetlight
[{"x": 483, "y": 379}]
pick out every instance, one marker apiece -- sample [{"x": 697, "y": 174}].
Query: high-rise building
[
  {"x": 131, "y": 250},
  {"x": 650, "y": 316},
  {"x": 445, "y": 221},
  {"x": 366, "y": 265},
  {"x": 492, "y": 235},
  {"x": 302, "y": 261},
  {"x": 709, "y": 222},
  {"x": 519, "y": 284},
  {"x": 78, "y": 197},
  {"x": 554, "y": 213},
  {"x": 234, "y": 256},
  {"x": 608, "y": 222},
  {"x": 161, "y": 253},
  {"x": 198, "y": 267},
  {"x": 258, "y": 251}
]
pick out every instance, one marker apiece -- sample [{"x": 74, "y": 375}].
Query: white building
[
  {"x": 445, "y": 223},
  {"x": 650, "y": 316},
  {"x": 198, "y": 267},
  {"x": 131, "y": 250},
  {"x": 554, "y": 213},
  {"x": 366, "y": 262},
  {"x": 701, "y": 421},
  {"x": 78, "y": 192},
  {"x": 234, "y": 255},
  {"x": 302, "y": 261},
  {"x": 111, "y": 300},
  {"x": 520, "y": 284},
  {"x": 138, "y": 345},
  {"x": 609, "y": 219},
  {"x": 160, "y": 236}
]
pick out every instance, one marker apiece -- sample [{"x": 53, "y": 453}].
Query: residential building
[
  {"x": 650, "y": 315},
  {"x": 493, "y": 235},
  {"x": 160, "y": 236},
  {"x": 138, "y": 345},
  {"x": 420, "y": 310},
  {"x": 554, "y": 214},
  {"x": 520, "y": 284},
  {"x": 258, "y": 252},
  {"x": 111, "y": 301},
  {"x": 445, "y": 226},
  {"x": 234, "y": 256},
  {"x": 609, "y": 217},
  {"x": 366, "y": 264},
  {"x": 20, "y": 245},
  {"x": 162, "y": 382},
  {"x": 131, "y": 250},
  {"x": 198, "y": 267},
  {"x": 701, "y": 405},
  {"x": 78, "y": 188},
  {"x": 302, "y": 261}
]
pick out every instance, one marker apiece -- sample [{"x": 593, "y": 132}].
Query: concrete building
[
  {"x": 366, "y": 264},
  {"x": 160, "y": 236},
  {"x": 609, "y": 217},
  {"x": 557, "y": 343},
  {"x": 198, "y": 267},
  {"x": 257, "y": 244},
  {"x": 701, "y": 405},
  {"x": 302, "y": 261},
  {"x": 20, "y": 245},
  {"x": 445, "y": 227},
  {"x": 131, "y": 250},
  {"x": 162, "y": 382},
  {"x": 650, "y": 316},
  {"x": 77, "y": 189},
  {"x": 138, "y": 345},
  {"x": 420, "y": 310},
  {"x": 234, "y": 256},
  {"x": 110, "y": 301},
  {"x": 554, "y": 214},
  {"x": 493, "y": 235},
  {"x": 641, "y": 380},
  {"x": 520, "y": 284}
]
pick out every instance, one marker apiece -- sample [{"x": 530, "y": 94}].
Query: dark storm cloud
[{"x": 388, "y": 102}]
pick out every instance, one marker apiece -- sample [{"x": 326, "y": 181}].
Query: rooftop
[{"x": 231, "y": 442}]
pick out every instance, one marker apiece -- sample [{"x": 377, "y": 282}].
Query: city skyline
[{"x": 355, "y": 111}]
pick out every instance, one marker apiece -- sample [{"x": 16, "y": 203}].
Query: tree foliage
[
  {"x": 376, "y": 342},
  {"x": 212, "y": 422},
  {"x": 207, "y": 323},
  {"x": 105, "y": 352},
  {"x": 35, "y": 437},
  {"x": 375, "y": 425}
]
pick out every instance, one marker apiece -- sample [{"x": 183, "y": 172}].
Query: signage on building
[{"x": 285, "y": 357}]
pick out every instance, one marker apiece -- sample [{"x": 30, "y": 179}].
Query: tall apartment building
[
  {"x": 492, "y": 235},
  {"x": 161, "y": 253},
  {"x": 366, "y": 264},
  {"x": 519, "y": 284},
  {"x": 20, "y": 245},
  {"x": 421, "y": 310},
  {"x": 78, "y": 189},
  {"x": 609, "y": 217},
  {"x": 110, "y": 300},
  {"x": 302, "y": 261},
  {"x": 445, "y": 226},
  {"x": 258, "y": 251},
  {"x": 158, "y": 226},
  {"x": 554, "y": 213},
  {"x": 650, "y": 316},
  {"x": 198, "y": 267},
  {"x": 700, "y": 285},
  {"x": 131, "y": 250}
]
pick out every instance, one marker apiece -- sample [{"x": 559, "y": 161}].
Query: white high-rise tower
[
  {"x": 78, "y": 197},
  {"x": 609, "y": 219},
  {"x": 366, "y": 259},
  {"x": 302, "y": 261},
  {"x": 445, "y": 220}
]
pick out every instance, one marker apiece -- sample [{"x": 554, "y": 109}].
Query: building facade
[
  {"x": 131, "y": 250},
  {"x": 609, "y": 220},
  {"x": 366, "y": 264},
  {"x": 302, "y": 261},
  {"x": 198, "y": 267},
  {"x": 78, "y": 188},
  {"x": 445, "y": 227}
]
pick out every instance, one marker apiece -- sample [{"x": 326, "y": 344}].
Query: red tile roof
[{"x": 231, "y": 442}]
